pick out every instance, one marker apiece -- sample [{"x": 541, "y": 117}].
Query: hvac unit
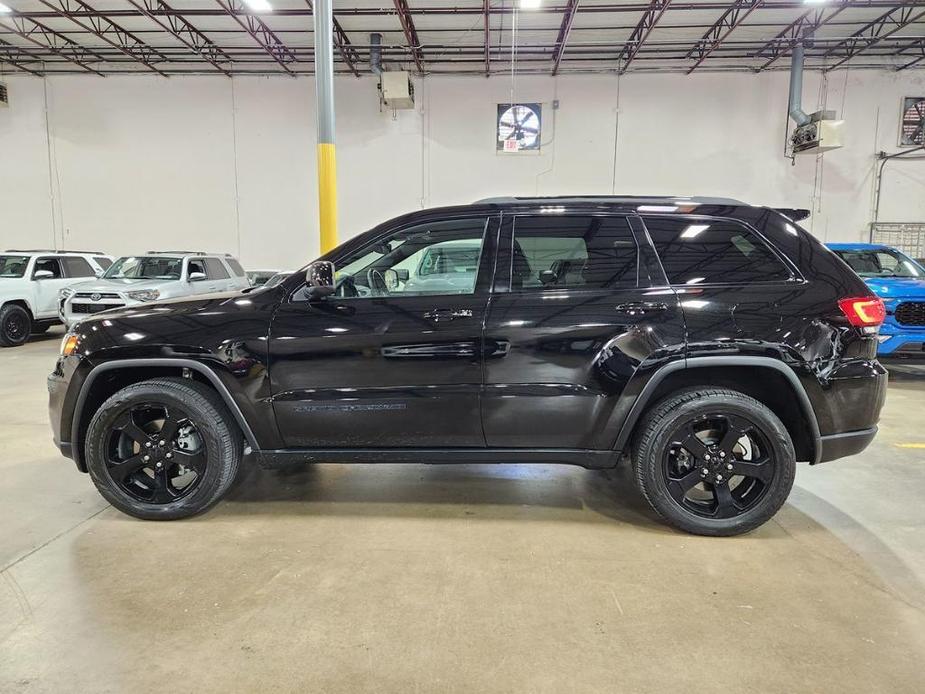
[
  {"x": 821, "y": 134},
  {"x": 4, "y": 95},
  {"x": 396, "y": 90}
]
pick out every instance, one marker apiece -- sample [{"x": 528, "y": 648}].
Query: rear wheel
[
  {"x": 714, "y": 462},
  {"x": 15, "y": 325},
  {"x": 163, "y": 449}
]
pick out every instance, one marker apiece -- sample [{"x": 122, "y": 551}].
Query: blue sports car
[{"x": 900, "y": 282}]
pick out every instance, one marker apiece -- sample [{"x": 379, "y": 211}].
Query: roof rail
[
  {"x": 626, "y": 199},
  {"x": 50, "y": 250},
  {"x": 176, "y": 253}
]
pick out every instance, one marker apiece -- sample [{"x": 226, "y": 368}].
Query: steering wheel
[{"x": 376, "y": 282}]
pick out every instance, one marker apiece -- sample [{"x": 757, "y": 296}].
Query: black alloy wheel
[
  {"x": 15, "y": 325},
  {"x": 155, "y": 454},
  {"x": 713, "y": 461},
  {"x": 718, "y": 466}
]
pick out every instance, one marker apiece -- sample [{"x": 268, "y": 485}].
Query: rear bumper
[{"x": 836, "y": 446}]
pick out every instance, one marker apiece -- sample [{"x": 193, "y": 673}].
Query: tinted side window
[
  {"x": 103, "y": 262},
  {"x": 214, "y": 269},
  {"x": 235, "y": 266},
  {"x": 78, "y": 267},
  {"x": 50, "y": 264},
  {"x": 556, "y": 252},
  {"x": 705, "y": 251}
]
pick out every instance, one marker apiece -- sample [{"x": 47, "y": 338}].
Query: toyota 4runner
[{"x": 712, "y": 343}]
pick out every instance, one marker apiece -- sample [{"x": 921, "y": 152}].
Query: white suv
[
  {"x": 29, "y": 285},
  {"x": 136, "y": 279}
]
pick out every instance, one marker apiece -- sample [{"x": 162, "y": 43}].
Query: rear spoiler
[{"x": 795, "y": 214}]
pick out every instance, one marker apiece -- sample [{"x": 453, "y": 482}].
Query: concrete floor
[{"x": 470, "y": 578}]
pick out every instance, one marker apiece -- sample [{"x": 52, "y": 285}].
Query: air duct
[
  {"x": 375, "y": 53},
  {"x": 796, "y": 87}
]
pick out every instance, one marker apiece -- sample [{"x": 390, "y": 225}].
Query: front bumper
[{"x": 57, "y": 393}]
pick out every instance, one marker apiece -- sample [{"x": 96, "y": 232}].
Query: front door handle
[
  {"x": 439, "y": 315},
  {"x": 641, "y": 308}
]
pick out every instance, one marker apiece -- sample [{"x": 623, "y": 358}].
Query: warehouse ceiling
[{"x": 173, "y": 37}]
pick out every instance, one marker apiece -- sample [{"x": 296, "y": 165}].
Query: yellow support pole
[{"x": 327, "y": 195}]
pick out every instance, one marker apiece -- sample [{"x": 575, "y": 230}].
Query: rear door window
[
  {"x": 78, "y": 267},
  {"x": 709, "y": 251},
  {"x": 214, "y": 269},
  {"x": 235, "y": 267},
  {"x": 573, "y": 252}
]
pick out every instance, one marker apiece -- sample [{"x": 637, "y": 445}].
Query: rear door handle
[
  {"x": 641, "y": 308},
  {"x": 439, "y": 315}
]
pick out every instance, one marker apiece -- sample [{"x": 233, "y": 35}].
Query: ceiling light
[
  {"x": 259, "y": 5},
  {"x": 4, "y": 9},
  {"x": 815, "y": 2},
  {"x": 530, "y": 4}
]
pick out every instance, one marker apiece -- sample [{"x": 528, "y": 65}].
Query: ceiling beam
[
  {"x": 917, "y": 46},
  {"x": 184, "y": 32},
  {"x": 411, "y": 34},
  {"x": 805, "y": 25},
  {"x": 725, "y": 25},
  {"x": 108, "y": 31},
  {"x": 259, "y": 32},
  {"x": 645, "y": 26},
  {"x": 568, "y": 18},
  {"x": 347, "y": 52},
  {"x": 59, "y": 44},
  {"x": 873, "y": 33},
  {"x": 13, "y": 55}
]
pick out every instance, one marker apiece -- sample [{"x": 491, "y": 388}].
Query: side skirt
[{"x": 592, "y": 459}]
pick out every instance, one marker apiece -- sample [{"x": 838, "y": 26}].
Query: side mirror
[
  {"x": 43, "y": 275},
  {"x": 403, "y": 275},
  {"x": 98, "y": 273},
  {"x": 197, "y": 276},
  {"x": 319, "y": 279},
  {"x": 391, "y": 280},
  {"x": 547, "y": 277}
]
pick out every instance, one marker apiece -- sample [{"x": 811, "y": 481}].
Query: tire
[
  {"x": 15, "y": 325},
  {"x": 667, "y": 460},
  {"x": 115, "y": 432}
]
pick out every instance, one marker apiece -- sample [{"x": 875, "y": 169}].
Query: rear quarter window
[{"x": 708, "y": 251}]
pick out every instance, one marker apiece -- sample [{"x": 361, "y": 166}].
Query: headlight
[
  {"x": 69, "y": 344},
  {"x": 144, "y": 295},
  {"x": 64, "y": 293}
]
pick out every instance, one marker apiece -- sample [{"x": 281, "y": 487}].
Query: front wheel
[
  {"x": 163, "y": 449},
  {"x": 714, "y": 461}
]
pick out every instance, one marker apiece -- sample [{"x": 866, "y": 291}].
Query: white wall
[{"x": 137, "y": 163}]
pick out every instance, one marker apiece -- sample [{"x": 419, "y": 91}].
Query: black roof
[{"x": 613, "y": 199}]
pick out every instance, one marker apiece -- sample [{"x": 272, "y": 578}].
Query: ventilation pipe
[
  {"x": 375, "y": 53},
  {"x": 796, "y": 87}
]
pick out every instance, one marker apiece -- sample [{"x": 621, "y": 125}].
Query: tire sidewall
[
  {"x": 204, "y": 416},
  {"x": 782, "y": 452}
]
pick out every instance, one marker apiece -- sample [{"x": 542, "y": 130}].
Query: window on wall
[
  {"x": 706, "y": 251},
  {"x": 564, "y": 252}
]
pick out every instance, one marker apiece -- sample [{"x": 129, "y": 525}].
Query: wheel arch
[
  {"x": 24, "y": 303},
  {"x": 107, "y": 378},
  {"x": 768, "y": 380}
]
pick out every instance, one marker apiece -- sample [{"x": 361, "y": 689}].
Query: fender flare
[
  {"x": 19, "y": 300},
  {"x": 648, "y": 390},
  {"x": 169, "y": 362}
]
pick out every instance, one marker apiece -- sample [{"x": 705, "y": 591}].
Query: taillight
[{"x": 863, "y": 311}]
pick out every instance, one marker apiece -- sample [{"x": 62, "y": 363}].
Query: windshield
[
  {"x": 13, "y": 265},
  {"x": 881, "y": 262},
  {"x": 145, "y": 268}
]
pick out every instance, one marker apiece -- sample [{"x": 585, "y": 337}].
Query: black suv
[{"x": 713, "y": 343}]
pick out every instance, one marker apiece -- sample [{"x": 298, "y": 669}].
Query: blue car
[{"x": 900, "y": 282}]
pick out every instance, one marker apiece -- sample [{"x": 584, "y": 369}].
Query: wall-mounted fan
[
  {"x": 519, "y": 127},
  {"x": 912, "y": 126}
]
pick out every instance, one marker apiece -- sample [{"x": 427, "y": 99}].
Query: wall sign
[{"x": 519, "y": 127}]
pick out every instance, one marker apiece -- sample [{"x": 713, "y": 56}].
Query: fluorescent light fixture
[
  {"x": 530, "y": 4},
  {"x": 4, "y": 9},
  {"x": 693, "y": 229},
  {"x": 259, "y": 5},
  {"x": 815, "y": 2}
]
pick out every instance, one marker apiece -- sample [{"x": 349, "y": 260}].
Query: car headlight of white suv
[{"x": 143, "y": 295}]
